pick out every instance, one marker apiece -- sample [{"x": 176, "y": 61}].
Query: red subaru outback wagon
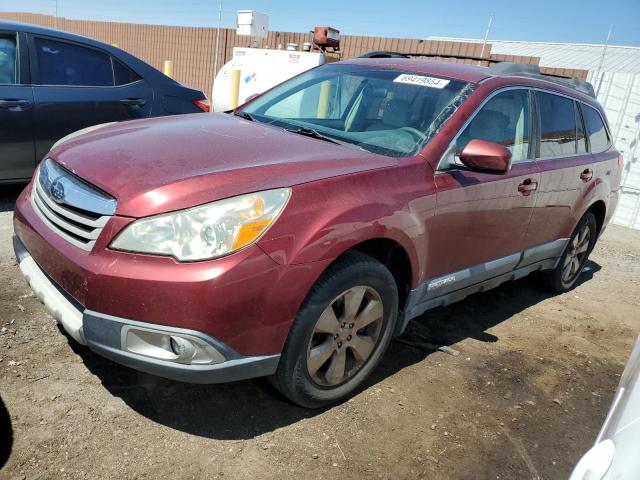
[{"x": 295, "y": 236}]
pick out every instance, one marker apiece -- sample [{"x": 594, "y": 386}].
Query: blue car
[{"x": 53, "y": 83}]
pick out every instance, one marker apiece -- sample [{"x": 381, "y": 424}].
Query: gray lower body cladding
[{"x": 453, "y": 287}]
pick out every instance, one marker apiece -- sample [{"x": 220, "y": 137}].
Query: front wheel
[
  {"x": 340, "y": 333},
  {"x": 565, "y": 276}
]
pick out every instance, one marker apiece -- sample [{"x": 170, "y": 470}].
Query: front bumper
[
  {"x": 245, "y": 300},
  {"x": 103, "y": 334}
]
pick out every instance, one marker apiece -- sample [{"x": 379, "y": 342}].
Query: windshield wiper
[
  {"x": 245, "y": 115},
  {"x": 310, "y": 132}
]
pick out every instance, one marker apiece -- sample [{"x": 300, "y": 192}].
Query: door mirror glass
[{"x": 486, "y": 156}]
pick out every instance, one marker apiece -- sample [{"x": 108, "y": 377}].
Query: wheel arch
[
  {"x": 394, "y": 256},
  {"x": 594, "y": 200},
  {"x": 599, "y": 210}
]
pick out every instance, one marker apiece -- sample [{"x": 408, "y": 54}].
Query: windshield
[{"x": 384, "y": 111}]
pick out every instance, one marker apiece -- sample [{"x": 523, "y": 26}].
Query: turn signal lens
[{"x": 249, "y": 232}]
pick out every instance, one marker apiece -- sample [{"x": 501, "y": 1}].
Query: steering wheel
[{"x": 415, "y": 132}]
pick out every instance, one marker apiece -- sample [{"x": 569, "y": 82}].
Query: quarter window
[
  {"x": 596, "y": 131},
  {"x": 62, "y": 63},
  {"x": 123, "y": 74},
  {"x": 504, "y": 119},
  {"x": 8, "y": 61},
  {"x": 557, "y": 125}
]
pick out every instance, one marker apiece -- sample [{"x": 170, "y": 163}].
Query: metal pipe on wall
[{"x": 217, "y": 49}]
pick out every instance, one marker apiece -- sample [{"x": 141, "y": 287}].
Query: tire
[
  {"x": 326, "y": 323},
  {"x": 566, "y": 274}
]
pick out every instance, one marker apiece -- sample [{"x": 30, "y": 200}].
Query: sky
[{"x": 575, "y": 21}]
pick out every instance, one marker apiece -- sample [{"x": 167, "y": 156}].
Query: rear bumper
[{"x": 103, "y": 334}]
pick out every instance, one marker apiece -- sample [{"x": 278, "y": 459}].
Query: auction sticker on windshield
[{"x": 430, "y": 82}]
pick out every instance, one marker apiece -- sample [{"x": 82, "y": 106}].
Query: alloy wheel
[
  {"x": 576, "y": 254},
  {"x": 345, "y": 336}
]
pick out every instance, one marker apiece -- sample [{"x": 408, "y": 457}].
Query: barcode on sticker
[{"x": 430, "y": 82}]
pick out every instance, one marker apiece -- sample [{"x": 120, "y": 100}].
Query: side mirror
[{"x": 487, "y": 156}]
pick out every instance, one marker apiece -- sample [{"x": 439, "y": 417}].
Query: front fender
[{"x": 324, "y": 219}]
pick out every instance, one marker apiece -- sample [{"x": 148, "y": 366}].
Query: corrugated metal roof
[{"x": 567, "y": 55}]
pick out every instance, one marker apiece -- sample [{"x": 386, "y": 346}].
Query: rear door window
[
  {"x": 8, "y": 60},
  {"x": 596, "y": 131},
  {"x": 504, "y": 119},
  {"x": 62, "y": 63},
  {"x": 557, "y": 125}
]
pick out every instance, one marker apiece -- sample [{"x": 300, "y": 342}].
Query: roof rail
[
  {"x": 498, "y": 68},
  {"x": 533, "y": 71},
  {"x": 387, "y": 54}
]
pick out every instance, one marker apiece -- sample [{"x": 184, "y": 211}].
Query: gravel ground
[{"x": 523, "y": 399}]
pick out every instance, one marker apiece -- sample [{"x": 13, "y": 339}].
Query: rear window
[
  {"x": 62, "y": 63},
  {"x": 557, "y": 125},
  {"x": 596, "y": 131},
  {"x": 8, "y": 60}
]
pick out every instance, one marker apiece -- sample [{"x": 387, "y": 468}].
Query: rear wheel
[
  {"x": 340, "y": 333},
  {"x": 565, "y": 276}
]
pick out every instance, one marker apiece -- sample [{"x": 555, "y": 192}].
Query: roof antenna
[
  {"x": 486, "y": 36},
  {"x": 604, "y": 52}
]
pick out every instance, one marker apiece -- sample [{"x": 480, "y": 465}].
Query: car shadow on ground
[
  {"x": 246, "y": 409},
  {"x": 8, "y": 196}
]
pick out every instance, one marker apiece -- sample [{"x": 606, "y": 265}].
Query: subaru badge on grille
[{"x": 57, "y": 191}]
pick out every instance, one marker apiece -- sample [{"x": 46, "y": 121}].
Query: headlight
[{"x": 207, "y": 231}]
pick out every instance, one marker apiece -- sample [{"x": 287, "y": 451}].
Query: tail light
[{"x": 203, "y": 104}]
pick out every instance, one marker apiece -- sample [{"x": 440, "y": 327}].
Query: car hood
[{"x": 162, "y": 164}]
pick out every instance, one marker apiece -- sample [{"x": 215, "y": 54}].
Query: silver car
[{"x": 616, "y": 453}]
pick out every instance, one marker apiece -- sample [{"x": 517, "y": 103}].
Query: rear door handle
[
  {"x": 14, "y": 104},
  {"x": 527, "y": 186},
  {"x": 134, "y": 102},
  {"x": 586, "y": 175}
]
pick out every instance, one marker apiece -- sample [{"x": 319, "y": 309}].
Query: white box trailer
[{"x": 260, "y": 69}]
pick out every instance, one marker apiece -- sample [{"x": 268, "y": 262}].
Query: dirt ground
[{"x": 524, "y": 398}]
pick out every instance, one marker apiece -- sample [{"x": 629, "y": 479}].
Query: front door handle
[
  {"x": 134, "y": 102},
  {"x": 586, "y": 175},
  {"x": 527, "y": 187},
  {"x": 14, "y": 104}
]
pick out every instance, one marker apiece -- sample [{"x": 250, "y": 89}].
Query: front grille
[{"x": 70, "y": 207}]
